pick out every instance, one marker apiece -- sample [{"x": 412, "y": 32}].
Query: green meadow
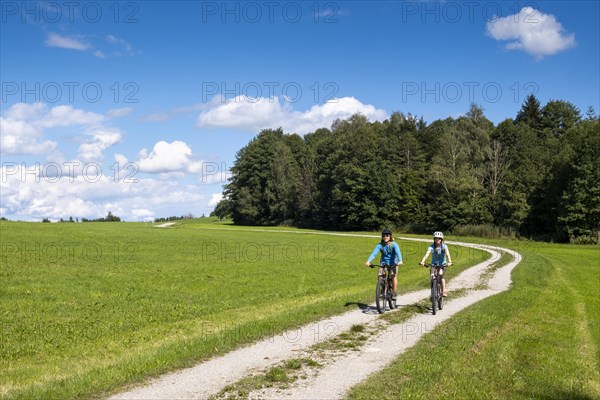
[
  {"x": 539, "y": 340},
  {"x": 90, "y": 308}
]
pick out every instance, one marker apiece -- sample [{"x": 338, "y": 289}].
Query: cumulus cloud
[
  {"x": 215, "y": 199},
  {"x": 22, "y": 126},
  {"x": 60, "y": 116},
  {"x": 532, "y": 31},
  {"x": 101, "y": 140},
  {"x": 66, "y": 42},
  {"x": 173, "y": 161},
  {"x": 120, "y": 159},
  {"x": 83, "y": 186},
  {"x": 40, "y": 116},
  {"x": 143, "y": 214},
  {"x": 29, "y": 192},
  {"x": 26, "y": 111},
  {"x": 166, "y": 157},
  {"x": 20, "y": 137},
  {"x": 255, "y": 114}
]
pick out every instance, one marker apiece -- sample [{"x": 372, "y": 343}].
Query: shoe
[
  {"x": 394, "y": 295},
  {"x": 444, "y": 294}
]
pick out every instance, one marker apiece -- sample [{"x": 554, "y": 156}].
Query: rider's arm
[
  {"x": 398, "y": 259},
  {"x": 425, "y": 256},
  {"x": 374, "y": 253}
]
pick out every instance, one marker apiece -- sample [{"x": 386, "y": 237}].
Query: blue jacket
[
  {"x": 390, "y": 253},
  {"x": 438, "y": 256}
]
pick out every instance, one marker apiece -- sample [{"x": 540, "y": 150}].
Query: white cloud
[
  {"x": 117, "y": 46},
  {"x": 119, "y": 112},
  {"x": 143, "y": 214},
  {"x": 65, "y": 42},
  {"x": 171, "y": 176},
  {"x": 255, "y": 114},
  {"x": 23, "y": 125},
  {"x": 25, "y": 111},
  {"x": 532, "y": 31},
  {"x": 20, "y": 137},
  {"x": 35, "y": 196},
  {"x": 101, "y": 140},
  {"x": 39, "y": 115},
  {"x": 112, "y": 39},
  {"x": 82, "y": 186},
  {"x": 157, "y": 117},
  {"x": 125, "y": 48},
  {"x": 215, "y": 198},
  {"x": 69, "y": 116},
  {"x": 174, "y": 161},
  {"x": 120, "y": 159},
  {"x": 166, "y": 157}
]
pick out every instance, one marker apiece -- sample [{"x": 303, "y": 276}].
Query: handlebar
[
  {"x": 380, "y": 266},
  {"x": 434, "y": 265}
]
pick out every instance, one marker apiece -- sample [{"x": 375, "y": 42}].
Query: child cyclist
[
  {"x": 439, "y": 252},
  {"x": 390, "y": 255}
]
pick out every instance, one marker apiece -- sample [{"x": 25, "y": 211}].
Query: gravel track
[{"x": 335, "y": 379}]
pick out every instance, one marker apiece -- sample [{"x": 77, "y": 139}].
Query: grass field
[
  {"x": 540, "y": 340},
  {"x": 87, "y": 308}
]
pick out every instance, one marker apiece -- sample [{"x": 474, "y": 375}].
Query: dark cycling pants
[
  {"x": 442, "y": 269},
  {"x": 393, "y": 269}
]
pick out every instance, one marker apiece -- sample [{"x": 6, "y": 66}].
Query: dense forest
[{"x": 536, "y": 176}]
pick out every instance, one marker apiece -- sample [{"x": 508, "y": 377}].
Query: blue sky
[{"x": 166, "y": 93}]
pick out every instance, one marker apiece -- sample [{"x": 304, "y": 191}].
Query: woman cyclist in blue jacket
[{"x": 390, "y": 255}]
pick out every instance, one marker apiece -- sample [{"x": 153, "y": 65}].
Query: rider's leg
[{"x": 443, "y": 282}]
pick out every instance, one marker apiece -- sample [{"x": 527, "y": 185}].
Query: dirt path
[
  {"x": 334, "y": 380},
  {"x": 164, "y": 225}
]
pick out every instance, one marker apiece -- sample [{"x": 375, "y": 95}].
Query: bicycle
[
  {"x": 384, "y": 289},
  {"x": 437, "y": 300}
]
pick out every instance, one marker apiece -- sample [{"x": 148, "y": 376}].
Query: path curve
[{"x": 333, "y": 381}]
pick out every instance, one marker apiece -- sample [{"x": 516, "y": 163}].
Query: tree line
[
  {"x": 535, "y": 175},
  {"x": 109, "y": 218}
]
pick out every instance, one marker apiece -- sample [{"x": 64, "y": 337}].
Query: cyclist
[
  {"x": 390, "y": 255},
  {"x": 439, "y": 252}
]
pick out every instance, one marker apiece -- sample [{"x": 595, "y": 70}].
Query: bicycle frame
[
  {"x": 437, "y": 300},
  {"x": 383, "y": 291}
]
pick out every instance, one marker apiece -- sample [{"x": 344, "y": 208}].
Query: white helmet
[{"x": 438, "y": 234}]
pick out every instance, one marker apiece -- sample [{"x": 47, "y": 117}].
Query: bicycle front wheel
[
  {"x": 380, "y": 294},
  {"x": 434, "y": 290}
]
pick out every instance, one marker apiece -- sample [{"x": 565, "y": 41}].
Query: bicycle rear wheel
[
  {"x": 380, "y": 294},
  {"x": 440, "y": 297},
  {"x": 434, "y": 296}
]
